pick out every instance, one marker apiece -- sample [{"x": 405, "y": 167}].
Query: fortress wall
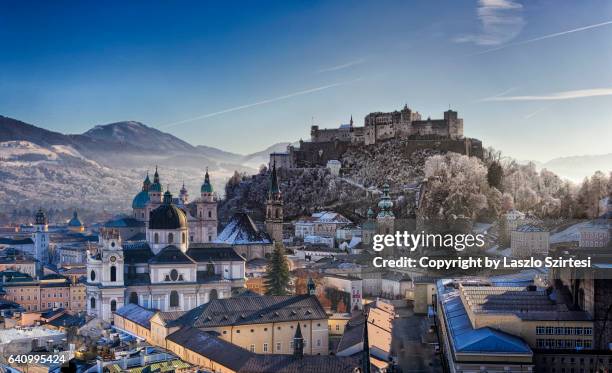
[{"x": 313, "y": 154}]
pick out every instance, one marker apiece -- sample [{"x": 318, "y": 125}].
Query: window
[
  {"x": 213, "y": 295},
  {"x": 209, "y": 214},
  {"x": 318, "y": 342},
  {"x": 156, "y": 238},
  {"x": 252, "y": 348},
  {"x": 174, "y": 275},
  {"x": 113, "y": 274},
  {"x": 92, "y": 303},
  {"x": 170, "y": 237},
  {"x": 174, "y": 299},
  {"x": 265, "y": 347},
  {"x": 133, "y": 298},
  {"x": 92, "y": 275},
  {"x": 337, "y": 327},
  {"x": 278, "y": 347},
  {"x": 113, "y": 305},
  {"x": 183, "y": 236}
]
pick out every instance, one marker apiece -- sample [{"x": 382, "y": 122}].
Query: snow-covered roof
[
  {"x": 241, "y": 230},
  {"x": 330, "y": 217}
]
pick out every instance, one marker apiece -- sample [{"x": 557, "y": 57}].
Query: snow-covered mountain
[
  {"x": 102, "y": 167},
  {"x": 138, "y": 136},
  {"x": 576, "y": 168}
]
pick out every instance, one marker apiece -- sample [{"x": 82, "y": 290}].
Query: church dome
[
  {"x": 168, "y": 215},
  {"x": 140, "y": 200},
  {"x": 75, "y": 221}
]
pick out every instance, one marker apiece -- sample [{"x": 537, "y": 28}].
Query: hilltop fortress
[
  {"x": 329, "y": 144},
  {"x": 397, "y": 124}
]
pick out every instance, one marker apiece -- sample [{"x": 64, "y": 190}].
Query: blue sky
[{"x": 533, "y": 79}]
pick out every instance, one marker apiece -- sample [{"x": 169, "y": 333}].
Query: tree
[
  {"x": 277, "y": 275},
  {"x": 495, "y": 174}
]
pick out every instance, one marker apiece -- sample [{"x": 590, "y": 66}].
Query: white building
[
  {"x": 595, "y": 234},
  {"x": 348, "y": 284},
  {"x": 528, "y": 240},
  {"x": 334, "y": 167},
  {"x": 324, "y": 223},
  {"x": 165, "y": 272}
]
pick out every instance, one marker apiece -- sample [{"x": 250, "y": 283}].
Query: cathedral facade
[
  {"x": 180, "y": 262},
  {"x": 177, "y": 267}
]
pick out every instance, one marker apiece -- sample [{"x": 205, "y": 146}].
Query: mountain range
[{"x": 106, "y": 163}]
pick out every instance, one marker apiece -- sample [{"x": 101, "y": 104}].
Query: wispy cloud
[
  {"x": 501, "y": 21},
  {"x": 544, "y": 37},
  {"x": 538, "y": 111},
  {"x": 555, "y": 96},
  {"x": 263, "y": 102},
  {"x": 342, "y": 66}
]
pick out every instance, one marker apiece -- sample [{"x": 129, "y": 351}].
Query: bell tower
[
  {"x": 274, "y": 209},
  {"x": 206, "y": 229},
  {"x": 41, "y": 237}
]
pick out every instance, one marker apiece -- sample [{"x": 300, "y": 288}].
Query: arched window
[
  {"x": 113, "y": 305},
  {"x": 277, "y": 213},
  {"x": 113, "y": 273},
  {"x": 170, "y": 238},
  {"x": 174, "y": 275},
  {"x": 174, "y": 299},
  {"x": 92, "y": 303},
  {"x": 133, "y": 298},
  {"x": 156, "y": 238},
  {"x": 92, "y": 275},
  {"x": 184, "y": 237},
  {"x": 213, "y": 295},
  {"x": 209, "y": 214}
]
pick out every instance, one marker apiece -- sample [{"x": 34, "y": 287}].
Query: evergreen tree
[
  {"x": 495, "y": 175},
  {"x": 277, "y": 275}
]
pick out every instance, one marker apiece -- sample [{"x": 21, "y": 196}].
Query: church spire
[
  {"x": 298, "y": 343},
  {"x": 206, "y": 186},
  {"x": 274, "y": 190}
]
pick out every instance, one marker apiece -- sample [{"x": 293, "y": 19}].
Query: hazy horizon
[{"x": 531, "y": 79}]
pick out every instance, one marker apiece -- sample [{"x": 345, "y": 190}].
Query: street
[{"x": 413, "y": 342}]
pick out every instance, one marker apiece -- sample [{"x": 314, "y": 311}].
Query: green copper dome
[
  {"x": 140, "y": 200},
  {"x": 385, "y": 204},
  {"x": 156, "y": 186},
  {"x": 207, "y": 186},
  {"x": 75, "y": 221}
]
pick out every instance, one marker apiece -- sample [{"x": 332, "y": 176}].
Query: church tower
[
  {"x": 206, "y": 227},
  {"x": 274, "y": 209},
  {"x": 41, "y": 237},
  {"x": 385, "y": 220},
  {"x": 183, "y": 195},
  {"x": 155, "y": 190},
  {"x": 105, "y": 270}
]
